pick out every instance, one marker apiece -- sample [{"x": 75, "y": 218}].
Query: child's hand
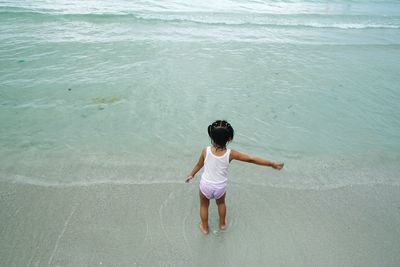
[
  {"x": 189, "y": 178},
  {"x": 277, "y": 166}
]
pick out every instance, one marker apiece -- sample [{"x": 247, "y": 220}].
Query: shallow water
[{"x": 122, "y": 92}]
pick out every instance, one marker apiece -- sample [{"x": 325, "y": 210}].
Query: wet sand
[{"x": 157, "y": 224}]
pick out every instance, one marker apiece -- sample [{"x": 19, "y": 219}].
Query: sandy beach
[{"x": 157, "y": 225}]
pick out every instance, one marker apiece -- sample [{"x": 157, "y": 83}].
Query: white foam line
[
  {"x": 314, "y": 187},
  {"x": 61, "y": 235},
  {"x": 162, "y": 221},
  {"x": 37, "y": 182},
  {"x": 147, "y": 231},
  {"x": 186, "y": 240}
]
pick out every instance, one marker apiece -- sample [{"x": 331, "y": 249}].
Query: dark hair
[{"x": 220, "y": 132}]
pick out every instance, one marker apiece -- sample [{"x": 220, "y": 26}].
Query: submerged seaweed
[{"x": 106, "y": 100}]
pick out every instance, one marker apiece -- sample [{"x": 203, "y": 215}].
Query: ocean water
[{"x": 123, "y": 91}]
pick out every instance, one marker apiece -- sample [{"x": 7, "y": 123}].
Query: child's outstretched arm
[
  {"x": 197, "y": 167},
  {"x": 259, "y": 161}
]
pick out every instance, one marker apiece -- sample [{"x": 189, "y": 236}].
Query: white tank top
[{"x": 216, "y": 167}]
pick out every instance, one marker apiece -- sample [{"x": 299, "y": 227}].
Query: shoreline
[{"x": 155, "y": 224}]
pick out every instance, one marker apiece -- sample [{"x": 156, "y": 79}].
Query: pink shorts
[{"x": 211, "y": 190}]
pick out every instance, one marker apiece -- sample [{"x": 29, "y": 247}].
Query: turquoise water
[{"x": 122, "y": 92}]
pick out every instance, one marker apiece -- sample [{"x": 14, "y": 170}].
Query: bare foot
[
  {"x": 224, "y": 226},
  {"x": 205, "y": 231}
]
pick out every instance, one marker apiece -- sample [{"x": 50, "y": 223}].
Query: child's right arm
[
  {"x": 198, "y": 166},
  {"x": 259, "y": 161}
]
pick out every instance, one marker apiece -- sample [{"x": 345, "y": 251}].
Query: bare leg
[
  {"x": 204, "y": 203},
  {"x": 222, "y": 212}
]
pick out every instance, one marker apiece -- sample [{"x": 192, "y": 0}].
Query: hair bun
[{"x": 220, "y": 132}]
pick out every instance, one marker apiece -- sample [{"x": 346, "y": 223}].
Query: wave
[
  {"x": 21, "y": 179},
  {"x": 305, "y": 172},
  {"x": 213, "y": 19},
  {"x": 25, "y": 180}
]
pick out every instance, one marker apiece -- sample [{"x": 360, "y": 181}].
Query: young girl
[{"x": 215, "y": 160}]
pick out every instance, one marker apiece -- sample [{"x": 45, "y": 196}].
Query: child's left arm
[{"x": 197, "y": 167}]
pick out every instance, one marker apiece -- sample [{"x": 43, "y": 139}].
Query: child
[{"x": 215, "y": 160}]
